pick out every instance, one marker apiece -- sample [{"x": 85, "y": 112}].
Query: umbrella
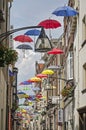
[
  {"x": 55, "y": 51},
  {"x": 25, "y": 83},
  {"x": 53, "y": 67},
  {"x": 65, "y": 11},
  {"x": 33, "y": 32},
  {"x": 22, "y": 95},
  {"x": 48, "y": 72},
  {"x": 23, "y": 38},
  {"x": 36, "y": 79},
  {"x": 24, "y": 46},
  {"x": 35, "y": 88},
  {"x": 50, "y": 24},
  {"x": 39, "y": 96},
  {"x": 41, "y": 75}
]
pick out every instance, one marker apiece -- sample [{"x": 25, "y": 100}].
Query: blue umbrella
[
  {"x": 65, "y": 11},
  {"x": 33, "y": 32},
  {"x": 21, "y": 92}
]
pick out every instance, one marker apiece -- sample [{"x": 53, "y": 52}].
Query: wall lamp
[
  {"x": 43, "y": 43},
  {"x": 70, "y": 81}
]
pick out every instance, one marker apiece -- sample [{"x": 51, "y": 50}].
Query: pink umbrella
[{"x": 55, "y": 51}]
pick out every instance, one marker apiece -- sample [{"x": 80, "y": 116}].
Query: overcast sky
[{"x": 30, "y": 13}]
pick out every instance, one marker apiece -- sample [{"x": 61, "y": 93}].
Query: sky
[{"x": 31, "y": 13}]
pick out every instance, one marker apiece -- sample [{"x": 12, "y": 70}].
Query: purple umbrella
[{"x": 25, "y": 83}]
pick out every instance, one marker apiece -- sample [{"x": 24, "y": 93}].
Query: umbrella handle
[{"x": 23, "y": 50}]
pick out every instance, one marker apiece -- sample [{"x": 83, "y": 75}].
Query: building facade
[
  {"x": 5, "y": 115},
  {"x": 80, "y": 68}
]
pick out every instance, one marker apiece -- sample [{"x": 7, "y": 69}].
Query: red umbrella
[
  {"x": 42, "y": 75},
  {"x": 23, "y": 38},
  {"x": 50, "y": 24},
  {"x": 55, "y": 51},
  {"x": 39, "y": 96}
]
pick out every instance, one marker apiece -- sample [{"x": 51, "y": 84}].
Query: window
[
  {"x": 84, "y": 76},
  {"x": 70, "y": 65},
  {"x": 84, "y": 28}
]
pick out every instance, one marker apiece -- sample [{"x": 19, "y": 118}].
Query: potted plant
[
  {"x": 11, "y": 56},
  {"x": 7, "y": 56},
  {"x": 66, "y": 91}
]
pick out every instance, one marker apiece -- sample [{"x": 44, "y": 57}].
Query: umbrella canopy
[
  {"x": 42, "y": 75},
  {"x": 39, "y": 96},
  {"x": 35, "y": 79},
  {"x": 65, "y": 11},
  {"x": 49, "y": 24},
  {"x": 55, "y": 51},
  {"x": 22, "y": 95},
  {"x": 24, "y": 46},
  {"x": 35, "y": 88},
  {"x": 25, "y": 83},
  {"x": 53, "y": 67},
  {"x": 23, "y": 38},
  {"x": 48, "y": 72},
  {"x": 33, "y": 32}
]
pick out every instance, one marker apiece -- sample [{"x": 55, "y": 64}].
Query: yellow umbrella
[
  {"x": 23, "y": 111},
  {"x": 23, "y": 96},
  {"x": 48, "y": 72},
  {"x": 35, "y": 79}
]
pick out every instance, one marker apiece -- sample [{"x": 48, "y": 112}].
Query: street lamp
[{"x": 43, "y": 43}]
